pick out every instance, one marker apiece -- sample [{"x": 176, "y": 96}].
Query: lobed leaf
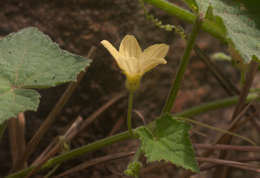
[
  {"x": 241, "y": 19},
  {"x": 169, "y": 141},
  {"x": 29, "y": 59}
]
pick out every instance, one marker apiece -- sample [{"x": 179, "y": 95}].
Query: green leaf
[
  {"x": 242, "y": 23},
  {"x": 168, "y": 141},
  {"x": 29, "y": 59}
]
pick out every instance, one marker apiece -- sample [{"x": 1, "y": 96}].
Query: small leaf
[
  {"x": 168, "y": 141},
  {"x": 29, "y": 59}
]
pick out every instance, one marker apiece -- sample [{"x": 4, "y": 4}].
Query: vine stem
[
  {"x": 182, "y": 67},
  {"x": 172, "y": 9},
  {"x": 129, "y": 112},
  {"x": 125, "y": 135}
]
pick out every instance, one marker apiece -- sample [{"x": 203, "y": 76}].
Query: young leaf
[
  {"x": 242, "y": 21},
  {"x": 169, "y": 141},
  {"x": 133, "y": 169},
  {"x": 29, "y": 59}
]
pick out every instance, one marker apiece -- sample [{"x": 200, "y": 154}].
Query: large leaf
[
  {"x": 29, "y": 59},
  {"x": 242, "y": 21},
  {"x": 168, "y": 141}
]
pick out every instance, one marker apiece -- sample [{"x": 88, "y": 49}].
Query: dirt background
[{"x": 77, "y": 25}]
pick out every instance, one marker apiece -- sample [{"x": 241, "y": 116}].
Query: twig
[
  {"x": 52, "y": 171},
  {"x": 235, "y": 164},
  {"x": 72, "y": 128},
  {"x": 245, "y": 90},
  {"x": 16, "y": 128},
  {"x": 124, "y": 135},
  {"x": 229, "y": 87},
  {"x": 221, "y": 172},
  {"x": 231, "y": 127},
  {"x": 51, "y": 152},
  {"x": 117, "y": 126},
  {"x": 224, "y": 131},
  {"x": 43, "y": 160},
  {"x": 228, "y": 147},
  {"x": 255, "y": 123},
  {"x": 213, "y": 163},
  {"x": 51, "y": 117},
  {"x": 249, "y": 159},
  {"x": 76, "y": 128},
  {"x": 139, "y": 114},
  {"x": 216, "y": 72},
  {"x": 71, "y": 133},
  {"x": 95, "y": 162},
  {"x": 93, "y": 116},
  {"x": 210, "y": 166}
]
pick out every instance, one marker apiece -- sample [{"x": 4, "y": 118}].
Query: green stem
[
  {"x": 129, "y": 112},
  {"x": 138, "y": 154},
  {"x": 207, "y": 25},
  {"x": 214, "y": 105},
  {"x": 223, "y": 103},
  {"x": 182, "y": 67}
]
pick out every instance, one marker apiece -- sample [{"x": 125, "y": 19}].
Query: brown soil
[{"x": 77, "y": 25}]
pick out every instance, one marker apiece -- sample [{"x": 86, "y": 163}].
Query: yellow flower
[{"x": 133, "y": 61}]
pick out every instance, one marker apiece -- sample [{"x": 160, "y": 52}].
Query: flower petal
[
  {"x": 119, "y": 59},
  {"x": 152, "y": 64},
  {"x": 153, "y": 56},
  {"x": 129, "y": 47},
  {"x": 112, "y": 50},
  {"x": 155, "y": 51}
]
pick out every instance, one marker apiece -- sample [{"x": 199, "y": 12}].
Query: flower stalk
[{"x": 129, "y": 113}]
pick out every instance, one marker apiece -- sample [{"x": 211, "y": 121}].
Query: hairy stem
[
  {"x": 189, "y": 17},
  {"x": 182, "y": 67},
  {"x": 223, "y": 103}
]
